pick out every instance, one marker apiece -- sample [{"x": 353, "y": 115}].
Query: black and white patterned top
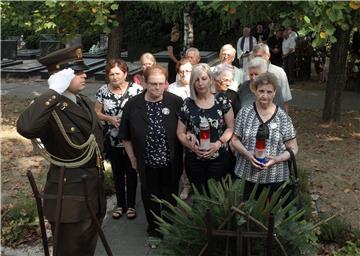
[
  {"x": 113, "y": 105},
  {"x": 281, "y": 130},
  {"x": 191, "y": 115},
  {"x": 157, "y": 153}
]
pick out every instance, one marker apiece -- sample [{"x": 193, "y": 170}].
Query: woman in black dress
[{"x": 173, "y": 48}]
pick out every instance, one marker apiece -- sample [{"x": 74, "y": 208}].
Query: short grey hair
[
  {"x": 219, "y": 69},
  {"x": 258, "y": 63},
  {"x": 230, "y": 47},
  {"x": 197, "y": 70},
  {"x": 193, "y": 49},
  {"x": 266, "y": 78},
  {"x": 261, "y": 47}
]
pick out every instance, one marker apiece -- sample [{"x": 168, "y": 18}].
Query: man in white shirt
[
  {"x": 288, "y": 50},
  {"x": 244, "y": 47},
  {"x": 262, "y": 50}
]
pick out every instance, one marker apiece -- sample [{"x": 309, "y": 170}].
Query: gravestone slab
[
  {"x": 9, "y": 49},
  {"x": 27, "y": 54},
  {"x": 8, "y": 63},
  {"x": 24, "y": 70}
]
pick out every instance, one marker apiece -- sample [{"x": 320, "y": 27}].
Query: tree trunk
[
  {"x": 188, "y": 31},
  {"x": 116, "y": 34},
  {"x": 337, "y": 76}
]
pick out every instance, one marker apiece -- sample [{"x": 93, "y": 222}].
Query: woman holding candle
[
  {"x": 263, "y": 135},
  {"x": 205, "y": 126}
]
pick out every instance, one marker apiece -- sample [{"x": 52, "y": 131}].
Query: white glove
[{"x": 60, "y": 81}]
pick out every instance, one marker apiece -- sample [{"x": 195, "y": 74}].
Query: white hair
[
  {"x": 258, "y": 63},
  {"x": 261, "y": 47}
]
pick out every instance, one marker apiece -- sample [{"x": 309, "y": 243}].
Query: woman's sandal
[
  {"x": 131, "y": 213},
  {"x": 117, "y": 213}
]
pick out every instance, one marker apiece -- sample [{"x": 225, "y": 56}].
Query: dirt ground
[{"x": 330, "y": 153}]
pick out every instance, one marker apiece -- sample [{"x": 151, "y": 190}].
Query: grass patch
[
  {"x": 19, "y": 222},
  {"x": 304, "y": 193},
  {"x": 109, "y": 186}
]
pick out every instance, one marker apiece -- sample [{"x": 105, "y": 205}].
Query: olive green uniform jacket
[{"x": 79, "y": 122}]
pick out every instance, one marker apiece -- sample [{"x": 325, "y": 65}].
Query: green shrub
[
  {"x": 187, "y": 233},
  {"x": 335, "y": 230}
]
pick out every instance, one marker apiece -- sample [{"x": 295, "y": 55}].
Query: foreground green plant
[
  {"x": 19, "y": 222},
  {"x": 335, "y": 230},
  {"x": 187, "y": 233}
]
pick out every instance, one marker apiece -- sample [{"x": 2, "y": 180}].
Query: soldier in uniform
[{"x": 68, "y": 128}]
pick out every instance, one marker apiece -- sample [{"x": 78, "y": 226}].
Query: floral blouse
[
  {"x": 191, "y": 115},
  {"x": 157, "y": 153},
  {"x": 113, "y": 105}
]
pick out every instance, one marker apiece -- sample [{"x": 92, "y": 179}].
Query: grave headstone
[
  {"x": 135, "y": 50},
  {"x": 75, "y": 40},
  {"x": 104, "y": 39},
  {"x": 9, "y": 49},
  {"x": 48, "y": 46},
  {"x": 47, "y": 37}
]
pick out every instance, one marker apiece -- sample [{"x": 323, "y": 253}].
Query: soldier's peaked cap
[{"x": 70, "y": 57}]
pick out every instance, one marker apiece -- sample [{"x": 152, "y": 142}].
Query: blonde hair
[
  {"x": 149, "y": 56},
  {"x": 174, "y": 30},
  {"x": 197, "y": 70}
]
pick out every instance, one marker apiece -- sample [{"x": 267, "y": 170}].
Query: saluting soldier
[{"x": 66, "y": 124}]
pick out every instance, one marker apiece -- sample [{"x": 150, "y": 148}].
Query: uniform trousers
[{"x": 77, "y": 239}]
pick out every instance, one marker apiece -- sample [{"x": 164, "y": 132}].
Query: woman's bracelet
[{"x": 221, "y": 142}]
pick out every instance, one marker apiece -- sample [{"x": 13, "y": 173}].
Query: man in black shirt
[{"x": 275, "y": 43}]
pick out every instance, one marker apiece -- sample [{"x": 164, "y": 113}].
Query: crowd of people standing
[
  {"x": 173, "y": 127},
  {"x": 192, "y": 122}
]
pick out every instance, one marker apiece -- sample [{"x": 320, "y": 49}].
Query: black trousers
[
  {"x": 125, "y": 178},
  {"x": 199, "y": 171},
  {"x": 160, "y": 183},
  {"x": 289, "y": 67}
]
